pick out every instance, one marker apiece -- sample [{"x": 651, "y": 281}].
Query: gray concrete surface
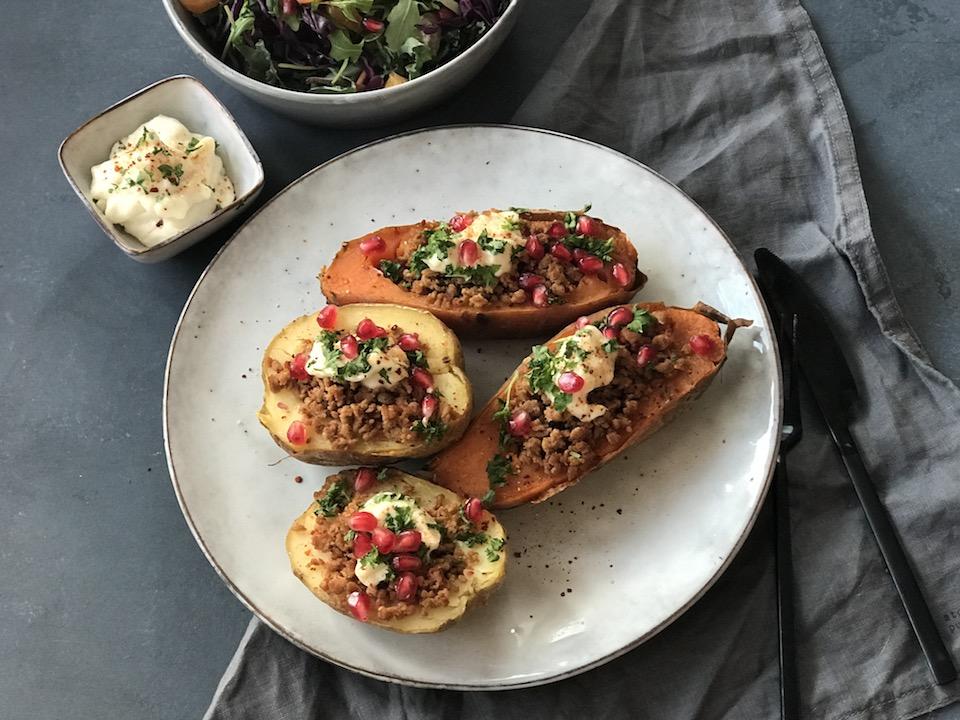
[{"x": 107, "y": 607}]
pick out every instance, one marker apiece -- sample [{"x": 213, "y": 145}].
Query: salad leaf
[
  {"x": 258, "y": 64},
  {"x": 401, "y": 24},
  {"x": 239, "y": 26},
  {"x": 351, "y": 9},
  {"x": 419, "y": 52},
  {"x": 343, "y": 48}
]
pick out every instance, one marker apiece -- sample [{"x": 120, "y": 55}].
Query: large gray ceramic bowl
[{"x": 374, "y": 107}]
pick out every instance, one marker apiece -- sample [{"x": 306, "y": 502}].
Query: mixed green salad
[{"x": 344, "y": 46}]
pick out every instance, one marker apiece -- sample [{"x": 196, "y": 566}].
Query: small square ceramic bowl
[{"x": 186, "y": 99}]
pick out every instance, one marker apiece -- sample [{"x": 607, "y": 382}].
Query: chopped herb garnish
[
  {"x": 488, "y": 497},
  {"x": 384, "y": 375},
  {"x": 334, "y": 501},
  {"x": 194, "y": 144},
  {"x": 489, "y": 244},
  {"x": 494, "y": 548},
  {"x": 387, "y": 496},
  {"x": 641, "y": 320},
  {"x": 349, "y": 536},
  {"x": 400, "y": 519},
  {"x": 432, "y": 430},
  {"x": 382, "y": 474},
  {"x": 475, "y": 275},
  {"x": 470, "y": 539},
  {"x": 498, "y": 468},
  {"x": 603, "y": 249},
  {"x": 373, "y": 557},
  {"x": 417, "y": 358},
  {"x": 171, "y": 173},
  {"x": 610, "y": 345},
  {"x": 436, "y": 243},
  {"x": 392, "y": 270}
]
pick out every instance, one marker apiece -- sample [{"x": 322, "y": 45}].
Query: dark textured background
[{"x": 107, "y": 607}]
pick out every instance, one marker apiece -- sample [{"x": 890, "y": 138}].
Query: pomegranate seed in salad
[
  {"x": 406, "y": 587},
  {"x": 701, "y": 344},
  {"x": 586, "y": 225},
  {"x": 359, "y": 604},
  {"x": 364, "y": 480},
  {"x": 621, "y": 275},
  {"x": 408, "y": 541},
  {"x": 372, "y": 245},
  {"x": 646, "y": 355},
  {"x": 349, "y": 347},
  {"x": 520, "y": 424},
  {"x": 620, "y": 317},
  {"x": 421, "y": 378},
  {"x": 298, "y": 367},
  {"x": 362, "y": 544},
  {"x": 582, "y": 322},
  {"x": 383, "y": 538},
  {"x": 409, "y": 342},
  {"x": 368, "y": 329},
  {"x": 528, "y": 281},
  {"x": 429, "y": 406},
  {"x": 297, "y": 433},
  {"x": 473, "y": 510},
  {"x": 372, "y": 25},
  {"x": 468, "y": 253},
  {"x": 590, "y": 264},
  {"x": 459, "y": 223},
  {"x": 327, "y": 317},
  {"x": 540, "y": 296},
  {"x": 534, "y": 248},
  {"x": 570, "y": 382},
  {"x": 561, "y": 252},
  {"x": 362, "y": 521},
  {"x": 557, "y": 230},
  {"x": 405, "y": 563}
]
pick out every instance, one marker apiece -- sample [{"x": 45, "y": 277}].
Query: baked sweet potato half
[
  {"x": 396, "y": 551},
  {"x": 497, "y": 273},
  {"x": 364, "y": 384},
  {"x": 601, "y": 384}
]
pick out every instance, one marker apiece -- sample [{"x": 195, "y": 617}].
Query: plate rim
[{"x": 289, "y": 635}]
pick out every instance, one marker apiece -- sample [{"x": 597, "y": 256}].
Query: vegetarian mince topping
[
  {"x": 374, "y": 383},
  {"x": 390, "y": 556},
  {"x": 508, "y": 257},
  {"x": 583, "y": 393}
]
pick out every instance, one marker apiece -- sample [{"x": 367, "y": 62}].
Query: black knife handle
[
  {"x": 939, "y": 660},
  {"x": 789, "y": 697}
]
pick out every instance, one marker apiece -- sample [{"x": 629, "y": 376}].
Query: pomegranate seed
[
  {"x": 701, "y": 344},
  {"x": 349, "y": 347},
  {"x": 570, "y": 382},
  {"x": 429, "y": 406},
  {"x": 534, "y": 248},
  {"x": 289, "y": 7},
  {"x": 405, "y": 563},
  {"x": 372, "y": 245},
  {"x": 372, "y": 25},
  {"x": 473, "y": 510},
  {"x": 298, "y": 367},
  {"x": 590, "y": 264},
  {"x": 364, "y": 480},
  {"x": 327, "y": 317},
  {"x": 579, "y": 254},
  {"x": 582, "y": 322},
  {"x": 297, "y": 433},
  {"x": 646, "y": 355},
  {"x": 528, "y": 281},
  {"x": 409, "y": 342},
  {"x": 383, "y": 538},
  {"x": 619, "y": 317},
  {"x": 421, "y": 378},
  {"x": 561, "y": 252},
  {"x": 361, "y": 545},
  {"x": 520, "y": 424},
  {"x": 459, "y": 223},
  {"x": 406, "y": 587},
  {"x": 468, "y": 252},
  {"x": 359, "y": 604},
  {"x": 621, "y": 275},
  {"x": 611, "y": 333},
  {"x": 362, "y": 522},
  {"x": 540, "y": 296},
  {"x": 408, "y": 541},
  {"x": 586, "y": 225},
  {"x": 368, "y": 329},
  {"x": 557, "y": 230}
]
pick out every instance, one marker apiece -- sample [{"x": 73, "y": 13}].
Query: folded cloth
[{"x": 734, "y": 101}]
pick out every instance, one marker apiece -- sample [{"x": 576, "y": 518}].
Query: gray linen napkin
[{"x": 733, "y": 100}]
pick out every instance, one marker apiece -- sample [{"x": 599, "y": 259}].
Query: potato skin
[
  {"x": 307, "y": 564},
  {"x": 353, "y": 277},
  {"x": 445, "y": 358},
  {"x": 462, "y": 467}
]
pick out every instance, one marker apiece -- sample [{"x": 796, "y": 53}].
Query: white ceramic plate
[{"x": 603, "y": 566}]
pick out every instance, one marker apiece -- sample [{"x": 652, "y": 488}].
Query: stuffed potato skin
[
  {"x": 353, "y": 277},
  {"x": 313, "y": 566},
  {"x": 444, "y": 358}
]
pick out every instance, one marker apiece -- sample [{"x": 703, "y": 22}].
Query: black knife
[{"x": 833, "y": 387}]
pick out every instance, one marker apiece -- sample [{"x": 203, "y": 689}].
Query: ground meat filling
[
  {"x": 444, "y": 570},
  {"x": 559, "y": 442},
  {"x": 347, "y": 412}
]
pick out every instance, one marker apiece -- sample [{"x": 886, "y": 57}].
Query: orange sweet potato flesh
[
  {"x": 462, "y": 466},
  {"x": 353, "y": 277}
]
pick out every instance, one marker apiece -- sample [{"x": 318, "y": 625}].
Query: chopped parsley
[
  {"x": 171, "y": 173},
  {"x": 374, "y": 557},
  {"x": 475, "y": 275},
  {"x": 360, "y": 365},
  {"x": 417, "y": 358},
  {"x": 494, "y": 548},
  {"x": 400, "y": 519},
  {"x": 511, "y": 225},
  {"x": 610, "y": 345},
  {"x": 498, "y": 468},
  {"x": 471, "y": 539},
  {"x": 194, "y": 144},
  {"x": 349, "y": 536},
  {"x": 436, "y": 243},
  {"x": 334, "y": 501},
  {"x": 392, "y": 270},
  {"x": 491, "y": 245},
  {"x": 603, "y": 249},
  {"x": 382, "y": 474},
  {"x": 387, "y": 496},
  {"x": 641, "y": 320},
  {"x": 432, "y": 430},
  {"x": 384, "y": 375}
]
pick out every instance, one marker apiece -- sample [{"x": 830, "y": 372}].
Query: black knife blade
[{"x": 834, "y": 389}]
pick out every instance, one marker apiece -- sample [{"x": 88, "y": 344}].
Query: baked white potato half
[
  {"x": 365, "y": 383},
  {"x": 427, "y": 559}
]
